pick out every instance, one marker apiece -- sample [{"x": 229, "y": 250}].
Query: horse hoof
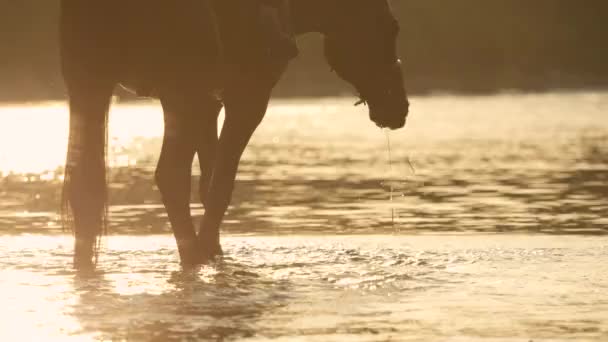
[
  {"x": 83, "y": 264},
  {"x": 187, "y": 253},
  {"x": 84, "y": 254},
  {"x": 209, "y": 253}
]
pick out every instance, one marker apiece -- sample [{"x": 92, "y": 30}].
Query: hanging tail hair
[{"x": 84, "y": 200}]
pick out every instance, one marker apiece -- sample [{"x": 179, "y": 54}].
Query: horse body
[
  {"x": 360, "y": 39},
  {"x": 139, "y": 43}
]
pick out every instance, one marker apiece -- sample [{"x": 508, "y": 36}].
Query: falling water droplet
[{"x": 390, "y": 165}]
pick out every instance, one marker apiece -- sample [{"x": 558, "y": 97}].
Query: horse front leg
[
  {"x": 244, "y": 111},
  {"x": 174, "y": 171},
  {"x": 206, "y": 144}
]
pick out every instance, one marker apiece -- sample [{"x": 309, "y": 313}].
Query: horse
[{"x": 360, "y": 45}]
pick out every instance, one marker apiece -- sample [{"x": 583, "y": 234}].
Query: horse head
[{"x": 361, "y": 47}]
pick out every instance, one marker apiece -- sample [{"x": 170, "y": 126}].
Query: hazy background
[{"x": 456, "y": 46}]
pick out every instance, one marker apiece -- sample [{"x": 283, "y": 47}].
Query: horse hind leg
[{"x": 85, "y": 187}]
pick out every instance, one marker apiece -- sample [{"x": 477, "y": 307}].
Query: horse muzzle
[{"x": 389, "y": 116}]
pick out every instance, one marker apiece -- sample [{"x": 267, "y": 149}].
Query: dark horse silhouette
[{"x": 180, "y": 52}]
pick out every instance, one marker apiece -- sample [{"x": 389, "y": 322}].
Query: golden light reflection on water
[
  {"x": 507, "y": 163},
  {"x": 34, "y": 309},
  {"x": 489, "y": 163},
  {"x": 355, "y": 288},
  {"x": 34, "y": 136}
]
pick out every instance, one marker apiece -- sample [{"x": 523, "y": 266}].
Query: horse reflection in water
[
  {"x": 103, "y": 47},
  {"x": 221, "y": 302}
]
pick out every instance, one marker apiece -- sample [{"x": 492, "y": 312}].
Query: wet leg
[
  {"x": 85, "y": 192},
  {"x": 206, "y": 144},
  {"x": 174, "y": 171},
  {"x": 244, "y": 111}
]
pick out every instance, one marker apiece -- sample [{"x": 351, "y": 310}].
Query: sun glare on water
[{"x": 35, "y": 136}]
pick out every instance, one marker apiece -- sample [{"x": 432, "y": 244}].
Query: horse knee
[{"x": 163, "y": 178}]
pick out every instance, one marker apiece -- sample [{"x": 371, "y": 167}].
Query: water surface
[
  {"x": 499, "y": 234},
  {"x": 312, "y": 288},
  {"x": 533, "y": 163}
]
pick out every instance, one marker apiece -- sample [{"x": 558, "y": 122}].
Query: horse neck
[{"x": 314, "y": 15}]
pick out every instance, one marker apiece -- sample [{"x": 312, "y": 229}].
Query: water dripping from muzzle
[
  {"x": 390, "y": 165},
  {"x": 393, "y": 182}
]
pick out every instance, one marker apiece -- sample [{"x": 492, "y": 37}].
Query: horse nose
[
  {"x": 402, "y": 119},
  {"x": 400, "y": 123},
  {"x": 396, "y": 123}
]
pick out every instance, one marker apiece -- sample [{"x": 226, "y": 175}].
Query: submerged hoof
[
  {"x": 213, "y": 252},
  {"x": 208, "y": 246},
  {"x": 83, "y": 265},
  {"x": 209, "y": 254},
  {"x": 188, "y": 255},
  {"x": 84, "y": 255},
  {"x": 195, "y": 253}
]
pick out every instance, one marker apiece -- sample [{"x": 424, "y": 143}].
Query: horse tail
[{"x": 84, "y": 199}]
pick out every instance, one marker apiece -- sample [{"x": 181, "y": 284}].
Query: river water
[{"x": 490, "y": 225}]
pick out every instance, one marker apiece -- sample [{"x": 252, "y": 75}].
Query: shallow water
[
  {"x": 317, "y": 288},
  {"x": 535, "y": 163},
  {"x": 511, "y": 188}
]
